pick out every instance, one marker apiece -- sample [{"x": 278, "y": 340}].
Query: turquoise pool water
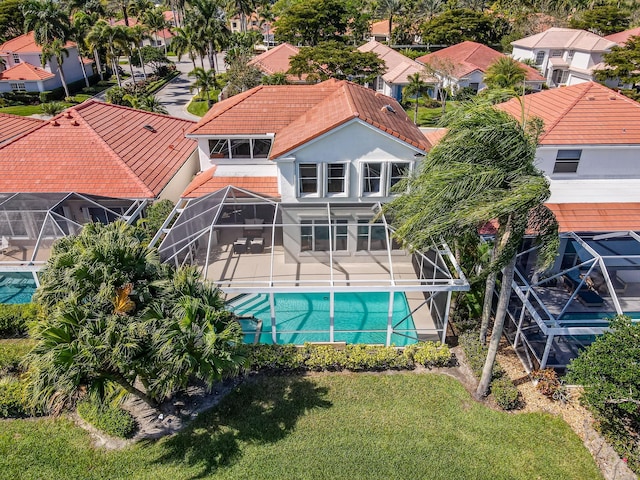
[
  {"x": 304, "y": 317},
  {"x": 592, "y": 319},
  {"x": 16, "y": 287}
]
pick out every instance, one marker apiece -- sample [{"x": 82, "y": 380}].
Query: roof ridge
[
  {"x": 110, "y": 150},
  {"x": 566, "y": 110},
  {"x": 345, "y": 86},
  {"x": 23, "y": 134},
  {"x": 91, "y": 101},
  {"x": 230, "y": 103}
]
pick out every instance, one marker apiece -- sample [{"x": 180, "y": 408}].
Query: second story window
[
  {"x": 397, "y": 173},
  {"x": 567, "y": 161},
  {"x": 556, "y": 53},
  {"x": 371, "y": 178},
  {"x": 16, "y": 58},
  {"x": 308, "y": 178},
  {"x": 539, "y": 58},
  {"x": 219, "y": 148},
  {"x": 239, "y": 148},
  {"x": 570, "y": 55},
  {"x": 336, "y": 178}
]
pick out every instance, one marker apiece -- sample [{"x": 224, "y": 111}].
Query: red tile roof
[
  {"x": 596, "y": 217},
  {"x": 621, "y": 37},
  {"x": 398, "y": 67},
  {"x": 13, "y": 125},
  {"x": 275, "y": 60},
  {"x": 583, "y": 114},
  {"x": 97, "y": 148},
  {"x": 207, "y": 182},
  {"x": 24, "y": 44},
  {"x": 25, "y": 71},
  {"x": 300, "y": 113},
  {"x": 468, "y": 57},
  {"x": 381, "y": 27}
]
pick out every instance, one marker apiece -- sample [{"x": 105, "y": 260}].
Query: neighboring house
[
  {"x": 398, "y": 69},
  {"x": 115, "y": 158},
  {"x": 12, "y": 126},
  {"x": 469, "y": 62},
  {"x": 156, "y": 39},
  {"x": 380, "y": 31},
  {"x": 565, "y": 56},
  {"x": 287, "y": 211},
  {"x": 22, "y": 72},
  {"x": 590, "y": 144},
  {"x": 276, "y": 60},
  {"x": 621, "y": 37}
]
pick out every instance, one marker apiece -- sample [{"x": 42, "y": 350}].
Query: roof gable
[
  {"x": 13, "y": 125},
  {"x": 25, "y": 71},
  {"x": 25, "y": 43},
  {"x": 583, "y": 114},
  {"x": 565, "y": 38},
  {"x": 98, "y": 148},
  {"x": 275, "y": 60},
  {"x": 468, "y": 57}
]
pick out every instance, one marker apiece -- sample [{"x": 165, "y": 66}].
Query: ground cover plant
[{"x": 324, "y": 426}]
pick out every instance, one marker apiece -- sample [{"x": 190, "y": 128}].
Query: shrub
[
  {"x": 111, "y": 420},
  {"x": 52, "y": 108},
  {"x": 324, "y": 357},
  {"x": 12, "y": 398},
  {"x": 368, "y": 357},
  {"x": 11, "y": 354},
  {"x": 432, "y": 354},
  {"x": 273, "y": 357},
  {"x": 505, "y": 393},
  {"x": 550, "y": 385},
  {"x": 14, "y": 318},
  {"x": 476, "y": 354}
]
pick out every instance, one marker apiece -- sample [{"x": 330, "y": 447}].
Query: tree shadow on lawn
[{"x": 262, "y": 410}]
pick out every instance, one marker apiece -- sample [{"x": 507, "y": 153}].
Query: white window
[
  {"x": 308, "y": 179},
  {"x": 219, "y": 148},
  {"x": 556, "y": 53},
  {"x": 371, "y": 236},
  {"x": 16, "y": 58},
  {"x": 18, "y": 87},
  {"x": 379, "y": 84},
  {"x": 336, "y": 178},
  {"x": 570, "y": 55},
  {"x": 567, "y": 161},
  {"x": 261, "y": 147},
  {"x": 372, "y": 178},
  {"x": 240, "y": 148},
  {"x": 398, "y": 171},
  {"x": 315, "y": 235},
  {"x": 539, "y": 58}
]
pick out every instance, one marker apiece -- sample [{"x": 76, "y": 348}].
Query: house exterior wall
[
  {"x": 71, "y": 66},
  {"x": 474, "y": 77},
  {"x": 354, "y": 144},
  {"x": 173, "y": 190},
  {"x": 29, "y": 86},
  {"x": 606, "y": 161}
]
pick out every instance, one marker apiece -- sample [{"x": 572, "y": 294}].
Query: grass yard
[
  {"x": 199, "y": 106},
  {"x": 429, "y": 117},
  {"x": 400, "y": 426}
]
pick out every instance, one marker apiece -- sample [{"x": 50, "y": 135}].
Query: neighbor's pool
[
  {"x": 16, "y": 287},
  {"x": 304, "y": 317}
]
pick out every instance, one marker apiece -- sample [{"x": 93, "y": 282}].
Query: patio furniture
[
  {"x": 253, "y": 227},
  {"x": 240, "y": 245},
  {"x": 587, "y": 297},
  {"x": 625, "y": 277},
  {"x": 257, "y": 245}
]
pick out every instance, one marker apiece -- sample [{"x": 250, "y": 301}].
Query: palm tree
[
  {"x": 154, "y": 19},
  {"x": 95, "y": 39},
  {"x": 81, "y": 24},
  {"x": 267, "y": 17},
  {"x": 278, "y": 78},
  {"x": 482, "y": 170},
  {"x": 243, "y": 8},
  {"x": 185, "y": 41},
  {"x": 47, "y": 20},
  {"x": 208, "y": 17},
  {"x": 205, "y": 80},
  {"x": 415, "y": 88},
  {"x": 116, "y": 40},
  {"x": 55, "y": 50},
  {"x": 149, "y": 103},
  {"x": 137, "y": 34},
  {"x": 505, "y": 73},
  {"x": 389, "y": 9},
  {"x": 138, "y": 8}
]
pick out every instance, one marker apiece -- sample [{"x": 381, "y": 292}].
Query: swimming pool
[
  {"x": 304, "y": 317},
  {"x": 16, "y": 287}
]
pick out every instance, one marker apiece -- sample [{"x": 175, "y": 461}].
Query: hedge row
[
  {"x": 505, "y": 393},
  {"x": 353, "y": 357},
  {"x": 14, "y": 318},
  {"x": 111, "y": 420}
]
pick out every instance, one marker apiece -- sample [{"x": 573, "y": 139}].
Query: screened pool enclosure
[
  {"x": 554, "y": 314},
  {"x": 314, "y": 272}
]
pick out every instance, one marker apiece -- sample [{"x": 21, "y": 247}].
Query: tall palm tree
[
  {"x": 55, "y": 50},
  {"x": 505, "y": 73},
  {"x": 47, "y": 19},
  {"x": 95, "y": 39},
  {"x": 81, "y": 24},
  {"x": 185, "y": 42},
  {"x": 242, "y": 8},
  {"x": 137, "y": 34},
  {"x": 116, "y": 40},
  {"x": 154, "y": 19},
  {"x": 208, "y": 17},
  {"x": 389, "y": 9},
  {"x": 267, "y": 17},
  {"x": 205, "y": 80},
  {"x": 481, "y": 171},
  {"x": 415, "y": 88}
]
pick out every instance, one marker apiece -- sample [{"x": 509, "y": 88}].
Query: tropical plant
[
  {"x": 309, "y": 22},
  {"x": 149, "y": 103},
  {"x": 240, "y": 75},
  {"x": 47, "y": 19},
  {"x": 205, "y": 81},
  {"x": 207, "y": 17},
  {"x": 389, "y": 9},
  {"x": 602, "y": 20},
  {"x": 154, "y": 20},
  {"x": 137, "y": 34},
  {"x": 505, "y": 73},
  {"x": 415, "y": 88},
  {"x": 482, "y": 170},
  {"x": 622, "y": 63},
  {"x": 55, "y": 50},
  {"x": 52, "y": 108},
  {"x": 116, "y": 40},
  {"x": 114, "y": 315},
  {"x": 456, "y": 26},
  {"x": 278, "y": 78},
  {"x": 186, "y": 42},
  {"x": 242, "y": 8},
  {"x": 80, "y": 26}
]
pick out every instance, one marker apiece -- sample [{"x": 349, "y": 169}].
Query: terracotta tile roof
[
  {"x": 300, "y": 113},
  {"x": 566, "y": 38},
  {"x": 621, "y": 37},
  {"x": 596, "y": 217},
  {"x": 398, "y": 67},
  {"x": 13, "y": 125},
  {"x": 583, "y": 114},
  {"x": 97, "y": 148},
  {"x": 275, "y": 60},
  {"x": 207, "y": 182},
  {"x": 25, "y": 44},
  {"x": 133, "y": 21},
  {"x": 25, "y": 71},
  {"x": 468, "y": 57},
  {"x": 381, "y": 27}
]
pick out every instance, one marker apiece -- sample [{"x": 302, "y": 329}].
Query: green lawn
[
  {"x": 199, "y": 106},
  {"x": 402, "y": 426},
  {"x": 429, "y": 117}
]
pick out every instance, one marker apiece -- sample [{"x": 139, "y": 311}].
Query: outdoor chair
[
  {"x": 587, "y": 297},
  {"x": 257, "y": 245},
  {"x": 240, "y": 245}
]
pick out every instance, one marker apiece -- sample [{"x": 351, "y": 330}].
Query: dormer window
[
  {"x": 239, "y": 148},
  {"x": 556, "y": 53},
  {"x": 16, "y": 58}
]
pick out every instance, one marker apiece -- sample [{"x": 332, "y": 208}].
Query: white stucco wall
[
  {"x": 173, "y": 190},
  {"x": 354, "y": 143},
  {"x": 581, "y": 60},
  {"x": 606, "y": 161},
  {"x": 474, "y": 77}
]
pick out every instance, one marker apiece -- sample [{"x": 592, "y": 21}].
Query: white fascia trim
[{"x": 234, "y": 136}]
